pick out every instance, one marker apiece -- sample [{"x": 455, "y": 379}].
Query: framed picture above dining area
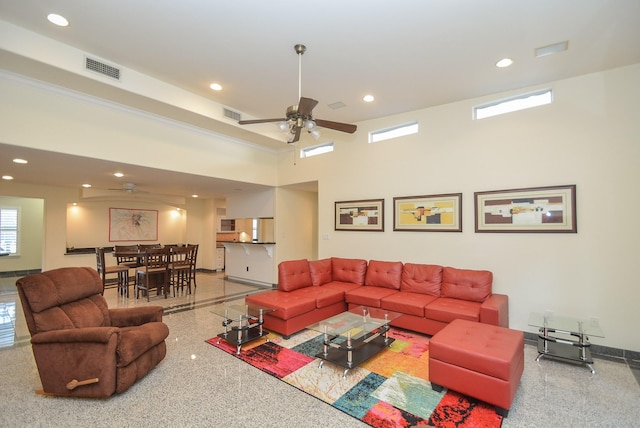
[{"x": 127, "y": 224}]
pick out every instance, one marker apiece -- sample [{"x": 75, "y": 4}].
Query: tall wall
[{"x": 588, "y": 136}]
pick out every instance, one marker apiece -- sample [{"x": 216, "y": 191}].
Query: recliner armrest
[
  {"x": 76, "y": 335},
  {"x": 128, "y": 317},
  {"x": 495, "y": 310}
]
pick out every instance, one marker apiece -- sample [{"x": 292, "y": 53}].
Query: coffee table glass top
[
  {"x": 358, "y": 321},
  {"x": 240, "y": 311},
  {"x": 551, "y": 321}
]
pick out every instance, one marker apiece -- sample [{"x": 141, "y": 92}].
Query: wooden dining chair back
[
  {"x": 121, "y": 271},
  {"x": 147, "y": 246},
  {"x": 179, "y": 268},
  {"x": 126, "y": 255},
  {"x": 154, "y": 271},
  {"x": 193, "y": 259}
]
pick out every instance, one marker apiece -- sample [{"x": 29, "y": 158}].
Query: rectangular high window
[
  {"x": 519, "y": 102},
  {"x": 316, "y": 150},
  {"x": 393, "y": 132}
]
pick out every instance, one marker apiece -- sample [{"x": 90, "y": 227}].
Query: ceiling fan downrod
[{"x": 300, "y": 49}]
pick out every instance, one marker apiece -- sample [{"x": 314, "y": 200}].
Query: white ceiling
[{"x": 409, "y": 54}]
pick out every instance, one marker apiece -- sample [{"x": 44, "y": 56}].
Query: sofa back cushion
[
  {"x": 384, "y": 274},
  {"x": 422, "y": 278},
  {"x": 466, "y": 284},
  {"x": 348, "y": 270},
  {"x": 320, "y": 271},
  {"x": 293, "y": 274}
]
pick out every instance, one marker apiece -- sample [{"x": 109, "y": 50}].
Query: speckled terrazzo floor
[{"x": 197, "y": 385}]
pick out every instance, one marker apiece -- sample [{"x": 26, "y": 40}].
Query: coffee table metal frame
[
  {"x": 354, "y": 336},
  {"x": 249, "y": 319},
  {"x": 554, "y": 337}
]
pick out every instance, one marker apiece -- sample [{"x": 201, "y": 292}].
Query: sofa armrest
[
  {"x": 76, "y": 335},
  {"x": 128, "y": 317},
  {"x": 495, "y": 310}
]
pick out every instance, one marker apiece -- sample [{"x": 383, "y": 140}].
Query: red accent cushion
[
  {"x": 349, "y": 270},
  {"x": 293, "y": 274},
  {"x": 422, "y": 278},
  {"x": 320, "y": 271},
  {"x": 384, "y": 274},
  {"x": 465, "y": 284}
]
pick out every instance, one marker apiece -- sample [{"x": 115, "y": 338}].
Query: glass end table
[
  {"x": 248, "y": 320},
  {"x": 565, "y": 338},
  {"x": 354, "y": 336}
]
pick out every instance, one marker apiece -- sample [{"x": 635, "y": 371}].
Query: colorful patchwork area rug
[{"x": 391, "y": 389}]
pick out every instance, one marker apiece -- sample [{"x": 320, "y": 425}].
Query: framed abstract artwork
[
  {"x": 366, "y": 215},
  {"x": 537, "y": 209},
  {"x": 127, "y": 224},
  {"x": 429, "y": 213}
]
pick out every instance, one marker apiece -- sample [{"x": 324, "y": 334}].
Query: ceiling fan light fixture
[
  {"x": 309, "y": 124},
  {"x": 284, "y": 126},
  {"x": 315, "y": 134}
]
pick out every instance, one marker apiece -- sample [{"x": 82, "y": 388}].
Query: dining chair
[
  {"x": 121, "y": 270},
  {"x": 147, "y": 246},
  {"x": 180, "y": 268},
  {"x": 193, "y": 258},
  {"x": 155, "y": 263}
]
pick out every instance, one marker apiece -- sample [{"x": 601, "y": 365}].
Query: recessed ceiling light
[
  {"x": 58, "y": 19},
  {"x": 368, "y": 98},
  {"x": 194, "y": 196},
  {"x": 216, "y": 86},
  {"x": 86, "y": 185},
  {"x": 22, "y": 161},
  {"x": 118, "y": 174},
  {"x": 7, "y": 177},
  {"x": 504, "y": 62}
]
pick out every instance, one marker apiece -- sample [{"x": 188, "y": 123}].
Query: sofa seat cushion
[
  {"x": 286, "y": 304},
  {"x": 407, "y": 302},
  {"x": 324, "y": 296},
  {"x": 494, "y": 351},
  {"x": 342, "y": 286},
  {"x": 446, "y": 310},
  {"x": 368, "y": 296}
]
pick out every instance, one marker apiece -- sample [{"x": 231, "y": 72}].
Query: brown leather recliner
[{"x": 81, "y": 347}]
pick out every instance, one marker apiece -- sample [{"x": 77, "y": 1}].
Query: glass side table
[
  {"x": 248, "y": 321},
  {"x": 565, "y": 338}
]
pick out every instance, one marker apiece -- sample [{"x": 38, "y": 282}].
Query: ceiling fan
[
  {"x": 299, "y": 117},
  {"x": 129, "y": 188}
]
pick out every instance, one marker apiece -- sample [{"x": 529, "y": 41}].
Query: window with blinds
[{"x": 9, "y": 230}]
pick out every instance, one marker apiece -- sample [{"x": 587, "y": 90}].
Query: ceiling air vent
[
  {"x": 234, "y": 115},
  {"x": 102, "y": 68}
]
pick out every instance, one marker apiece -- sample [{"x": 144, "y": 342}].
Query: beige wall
[
  {"x": 589, "y": 136},
  {"x": 30, "y": 238}
]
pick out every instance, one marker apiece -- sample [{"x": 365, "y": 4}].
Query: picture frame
[
  {"x": 364, "y": 215},
  {"x": 129, "y": 224},
  {"x": 549, "y": 209},
  {"x": 428, "y": 213}
]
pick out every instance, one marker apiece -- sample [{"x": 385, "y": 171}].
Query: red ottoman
[{"x": 479, "y": 360}]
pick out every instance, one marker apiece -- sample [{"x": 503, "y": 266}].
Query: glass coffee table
[
  {"x": 248, "y": 321},
  {"x": 354, "y": 336},
  {"x": 565, "y": 338}
]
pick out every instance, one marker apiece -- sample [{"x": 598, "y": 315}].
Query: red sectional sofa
[{"x": 428, "y": 296}]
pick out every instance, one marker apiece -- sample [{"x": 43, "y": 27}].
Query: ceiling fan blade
[
  {"x": 296, "y": 137},
  {"x": 306, "y": 105},
  {"x": 249, "y": 122},
  {"x": 338, "y": 126}
]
